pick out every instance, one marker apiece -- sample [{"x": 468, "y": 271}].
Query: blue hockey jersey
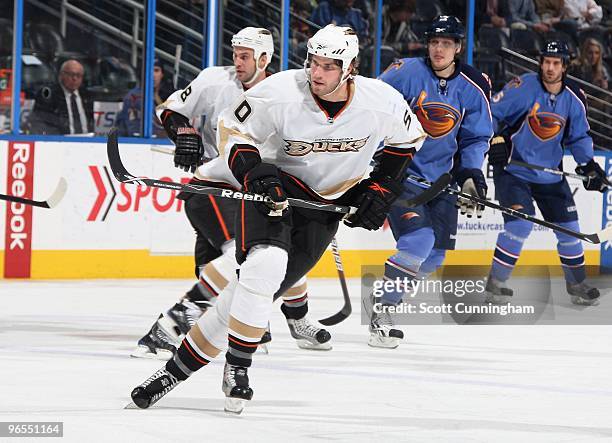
[
  {"x": 454, "y": 112},
  {"x": 541, "y": 125}
]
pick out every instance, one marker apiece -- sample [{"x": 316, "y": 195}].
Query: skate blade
[
  {"x": 234, "y": 405},
  {"x": 577, "y": 300},
  {"x": 305, "y": 344},
  {"x": 262, "y": 349},
  {"x": 495, "y": 299},
  {"x": 144, "y": 352},
  {"x": 387, "y": 342}
]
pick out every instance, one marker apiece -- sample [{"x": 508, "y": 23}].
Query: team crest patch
[
  {"x": 544, "y": 125},
  {"x": 437, "y": 119},
  {"x": 298, "y": 148}
]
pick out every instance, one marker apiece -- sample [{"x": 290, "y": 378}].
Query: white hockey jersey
[
  {"x": 283, "y": 120},
  {"x": 213, "y": 90}
]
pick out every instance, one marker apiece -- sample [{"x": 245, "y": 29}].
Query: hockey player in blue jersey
[
  {"x": 536, "y": 116},
  {"x": 451, "y": 101}
]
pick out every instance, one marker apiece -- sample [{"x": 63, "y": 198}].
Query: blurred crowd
[{"x": 81, "y": 84}]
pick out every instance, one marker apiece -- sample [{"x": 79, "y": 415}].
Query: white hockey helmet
[
  {"x": 336, "y": 42},
  {"x": 257, "y": 39}
]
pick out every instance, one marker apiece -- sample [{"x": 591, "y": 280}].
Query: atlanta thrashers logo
[
  {"x": 544, "y": 125},
  {"x": 298, "y": 147},
  {"x": 437, "y": 119}
]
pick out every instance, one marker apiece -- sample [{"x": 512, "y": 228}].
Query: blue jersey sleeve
[
  {"x": 395, "y": 75},
  {"x": 509, "y": 105},
  {"x": 476, "y": 127},
  {"x": 576, "y": 138}
]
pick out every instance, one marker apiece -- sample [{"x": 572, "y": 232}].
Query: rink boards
[{"x": 106, "y": 229}]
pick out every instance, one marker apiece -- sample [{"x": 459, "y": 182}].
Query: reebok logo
[
  {"x": 18, "y": 235},
  {"x": 242, "y": 196}
]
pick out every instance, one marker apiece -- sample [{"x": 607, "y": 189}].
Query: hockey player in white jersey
[
  {"x": 212, "y": 218},
  {"x": 307, "y": 134}
]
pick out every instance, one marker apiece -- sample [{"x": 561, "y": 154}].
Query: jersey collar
[
  {"x": 457, "y": 71},
  {"x": 351, "y": 94}
]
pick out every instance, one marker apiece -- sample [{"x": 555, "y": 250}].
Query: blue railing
[{"x": 210, "y": 56}]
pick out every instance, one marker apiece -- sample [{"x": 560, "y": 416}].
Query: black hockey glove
[
  {"x": 375, "y": 195},
  {"x": 597, "y": 180},
  {"x": 499, "y": 151},
  {"x": 264, "y": 179},
  {"x": 472, "y": 182},
  {"x": 189, "y": 153}
]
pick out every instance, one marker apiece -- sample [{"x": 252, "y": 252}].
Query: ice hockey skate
[
  {"x": 156, "y": 344},
  {"x": 383, "y": 334},
  {"x": 497, "y": 293},
  {"x": 309, "y": 336},
  {"x": 236, "y": 388},
  {"x": 153, "y": 388},
  {"x": 166, "y": 333},
  {"x": 583, "y": 294},
  {"x": 183, "y": 315}
]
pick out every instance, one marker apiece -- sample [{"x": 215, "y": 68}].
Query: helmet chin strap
[
  {"x": 258, "y": 71},
  {"x": 342, "y": 81},
  {"x": 254, "y": 77}
]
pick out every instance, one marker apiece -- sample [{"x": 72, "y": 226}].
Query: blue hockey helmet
[
  {"x": 556, "y": 48},
  {"x": 446, "y": 26}
]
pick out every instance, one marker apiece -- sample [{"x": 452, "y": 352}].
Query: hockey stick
[
  {"x": 121, "y": 174},
  {"x": 553, "y": 171},
  {"x": 595, "y": 238},
  {"x": 428, "y": 193},
  {"x": 162, "y": 149},
  {"x": 347, "y": 308},
  {"x": 51, "y": 202}
]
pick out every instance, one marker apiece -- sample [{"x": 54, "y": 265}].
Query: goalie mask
[
  {"x": 260, "y": 41},
  {"x": 335, "y": 42}
]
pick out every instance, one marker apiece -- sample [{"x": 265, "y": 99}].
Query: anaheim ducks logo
[
  {"x": 544, "y": 125},
  {"x": 299, "y": 147},
  {"x": 437, "y": 119}
]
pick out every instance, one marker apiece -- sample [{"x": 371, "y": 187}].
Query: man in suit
[{"x": 63, "y": 108}]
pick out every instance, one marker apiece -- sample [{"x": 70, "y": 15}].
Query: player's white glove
[{"x": 473, "y": 183}]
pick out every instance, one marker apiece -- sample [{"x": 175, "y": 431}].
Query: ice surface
[{"x": 64, "y": 356}]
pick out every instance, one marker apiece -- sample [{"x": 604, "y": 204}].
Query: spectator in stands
[
  {"x": 365, "y": 6},
  {"x": 129, "y": 120},
  {"x": 523, "y": 16},
  {"x": 552, "y": 13},
  {"x": 300, "y": 30},
  {"x": 396, "y": 27},
  {"x": 591, "y": 66},
  {"x": 341, "y": 13},
  {"x": 494, "y": 13},
  {"x": 63, "y": 108},
  {"x": 585, "y": 12}
]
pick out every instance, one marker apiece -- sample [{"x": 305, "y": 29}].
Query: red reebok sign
[{"x": 18, "y": 231}]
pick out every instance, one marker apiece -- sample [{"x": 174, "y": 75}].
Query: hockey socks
[
  {"x": 571, "y": 254},
  {"x": 508, "y": 248},
  {"x": 412, "y": 250},
  {"x": 240, "y": 349},
  {"x": 431, "y": 263},
  {"x": 295, "y": 301},
  {"x": 188, "y": 359}
]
